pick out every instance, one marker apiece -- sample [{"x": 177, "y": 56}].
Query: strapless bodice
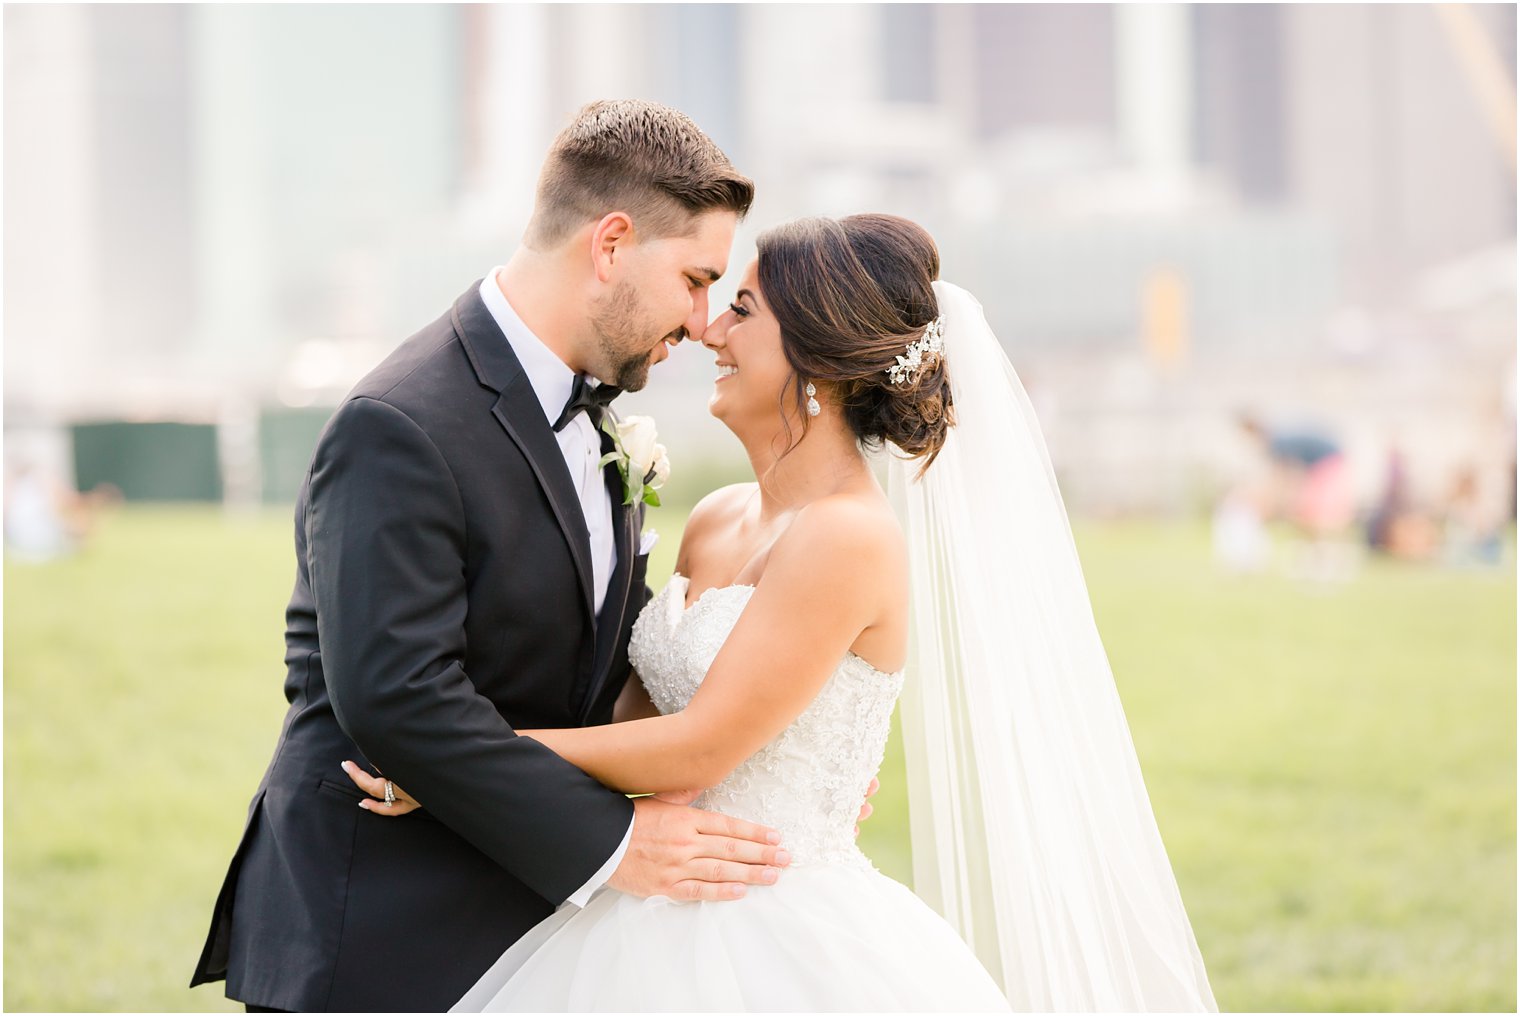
[{"x": 809, "y": 781}]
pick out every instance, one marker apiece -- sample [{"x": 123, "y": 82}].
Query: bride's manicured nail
[
  {"x": 739, "y": 890},
  {"x": 773, "y": 837},
  {"x": 348, "y": 767},
  {"x": 770, "y": 875},
  {"x": 782, "y": 857}
]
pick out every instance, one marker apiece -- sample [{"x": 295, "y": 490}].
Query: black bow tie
[{"x": 588, "y": 400}]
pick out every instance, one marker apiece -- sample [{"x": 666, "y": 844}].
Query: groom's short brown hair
[{"x": 638, "y": 157}]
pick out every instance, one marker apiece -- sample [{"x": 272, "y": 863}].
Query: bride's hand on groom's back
[
  {"x": 397, "y": 804},
  {"x": 689, "y": 854},
  {"x": 865, "y": 808}
]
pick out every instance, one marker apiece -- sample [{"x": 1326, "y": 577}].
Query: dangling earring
[{"x": 813, "y": 407}]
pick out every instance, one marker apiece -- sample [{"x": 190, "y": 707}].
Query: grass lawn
[{"x": 1333, "y": 770}]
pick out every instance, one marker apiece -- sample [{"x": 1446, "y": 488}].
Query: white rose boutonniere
[{"x": 640, "y": 458}]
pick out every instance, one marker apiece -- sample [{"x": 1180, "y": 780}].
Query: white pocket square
[{"x": 647, "y": 541}]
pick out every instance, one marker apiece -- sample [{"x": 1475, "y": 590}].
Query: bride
[{"x": 770, "y": 664}]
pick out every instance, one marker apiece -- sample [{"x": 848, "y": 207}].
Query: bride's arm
[{"x": 823, "y": 585}]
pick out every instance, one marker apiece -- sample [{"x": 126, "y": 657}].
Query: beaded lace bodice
[{"x": 810, "y": 781}]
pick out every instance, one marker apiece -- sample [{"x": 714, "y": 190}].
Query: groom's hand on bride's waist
[{"x": 689, "y": 854}]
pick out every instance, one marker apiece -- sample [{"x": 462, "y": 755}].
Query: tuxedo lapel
[
  {"x": 625, "y": 522},
  {"x": 521, "y": 415}
]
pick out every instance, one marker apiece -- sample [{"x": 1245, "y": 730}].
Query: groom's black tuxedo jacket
[{"x": 443, "y": 597}]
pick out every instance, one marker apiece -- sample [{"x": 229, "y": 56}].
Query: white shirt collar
[{"x": 551, "y": 379}]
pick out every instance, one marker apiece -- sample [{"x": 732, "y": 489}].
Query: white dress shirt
[{"x": 582, "y": 449}]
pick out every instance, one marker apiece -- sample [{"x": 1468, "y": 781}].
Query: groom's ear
[{"x": 610, "y": 237}]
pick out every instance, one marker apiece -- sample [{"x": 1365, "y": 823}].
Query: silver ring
[{"x": 390, "y": 793}]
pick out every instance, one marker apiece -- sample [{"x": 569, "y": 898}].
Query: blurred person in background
[
  {"x": 1396, "y": 527},
  {"x": 1239, "y": 535},
  {"x": 36, "y": 515},
  {"x": 45, "y": 518},
  {"x": 1474, "y": 521},
  {"x": 1311, "y": 488}
]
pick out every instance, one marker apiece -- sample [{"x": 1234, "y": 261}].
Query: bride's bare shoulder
[
  {"x": 849, "y": 528},
  {"x": 720, "y": 506},
  {"x": 712, "y": 513},
  {"x": 854, "y": 511}
]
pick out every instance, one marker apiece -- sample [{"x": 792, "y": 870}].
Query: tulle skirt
[{"x": 825, "y": 938}]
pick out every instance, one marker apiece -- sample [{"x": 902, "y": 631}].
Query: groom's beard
[{"x": 622, "y": 329}]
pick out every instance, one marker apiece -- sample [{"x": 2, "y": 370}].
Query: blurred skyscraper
[{"x": 98, "y": 222}]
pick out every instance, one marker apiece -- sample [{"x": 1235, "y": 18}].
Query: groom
[{"x": 463, "y": 567}]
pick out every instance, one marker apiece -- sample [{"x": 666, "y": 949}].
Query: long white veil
[{"x": 1032, "y": 831}]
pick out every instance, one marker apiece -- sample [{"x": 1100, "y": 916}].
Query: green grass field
[{"x": 1333, "y": 770}]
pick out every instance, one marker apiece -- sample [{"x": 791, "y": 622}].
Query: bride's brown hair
[{"x": 850, "y": 295}]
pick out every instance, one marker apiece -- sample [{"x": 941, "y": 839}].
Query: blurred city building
[{"x": 221, "y": 216}]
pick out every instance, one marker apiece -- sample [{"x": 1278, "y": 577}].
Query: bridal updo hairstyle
[
  {"x": 639, "y": 157},
  {"x": 850, "y": 295}
]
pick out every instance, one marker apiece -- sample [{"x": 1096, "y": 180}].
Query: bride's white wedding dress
[{"x": 833, "y": 933}]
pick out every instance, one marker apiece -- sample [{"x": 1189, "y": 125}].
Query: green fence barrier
[{"x": 149, "y": 461}]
